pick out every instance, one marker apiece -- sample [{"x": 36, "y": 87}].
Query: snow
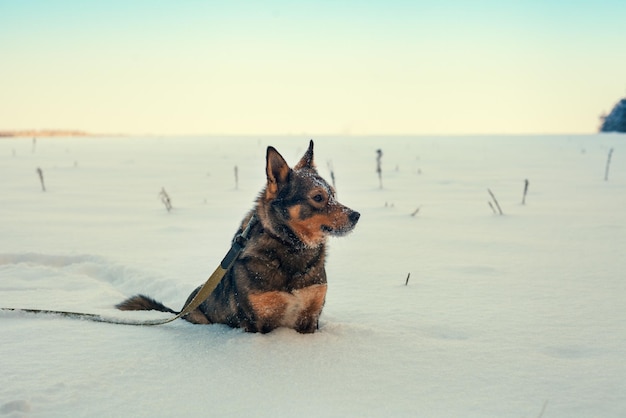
[{"x": 519, "y": 315}]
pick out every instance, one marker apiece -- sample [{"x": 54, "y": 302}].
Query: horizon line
[{"x": 22, "y": 133}]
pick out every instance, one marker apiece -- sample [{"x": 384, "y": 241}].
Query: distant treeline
[
  {"x": 616, "y": 120},
  {"x": 36, "y": 133}
]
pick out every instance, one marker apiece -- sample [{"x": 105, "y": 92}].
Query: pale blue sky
[{"x": 312, "y": 67}]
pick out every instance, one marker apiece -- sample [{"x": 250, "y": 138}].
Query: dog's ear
[
  {"x": 277, "y": 171},
  {"x": 307, "y": 159}
]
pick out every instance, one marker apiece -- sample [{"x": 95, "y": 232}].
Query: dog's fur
[{"x": 279, "y": 279}]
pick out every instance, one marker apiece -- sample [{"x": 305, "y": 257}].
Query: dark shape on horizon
[{"x": 616, "y": 120}]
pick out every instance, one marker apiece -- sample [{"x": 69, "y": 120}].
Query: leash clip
[{"x": 238, "y": 245}]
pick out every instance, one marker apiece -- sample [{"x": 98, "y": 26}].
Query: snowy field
[{"x": 520, "y": 315}]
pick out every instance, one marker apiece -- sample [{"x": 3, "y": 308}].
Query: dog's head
[{"x": 298, "y": 204}]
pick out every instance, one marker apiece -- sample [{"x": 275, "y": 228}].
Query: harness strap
[{"x": 205, "y": 291}]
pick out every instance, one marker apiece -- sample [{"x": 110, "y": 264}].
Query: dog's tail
[{"x": 143, "y": 303}]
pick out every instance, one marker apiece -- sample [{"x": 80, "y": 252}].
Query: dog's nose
[{"x": 354, "y": 216}]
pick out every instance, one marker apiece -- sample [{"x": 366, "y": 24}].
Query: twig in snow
[
  {"x": 40, "y": 173},
  {"x": 495, "y": 201},
  {"x": 407, "y": 279},
  {"x": 236, "y": 178},
  {"x": 165, "y": 198},
  {"x": 329, "y": 164},
  {"x": 608, "y": 164},
  {"x": 416, "y": 211},
  {"x": 379, "y": 170},
  {"x": 525, "y": 191}
]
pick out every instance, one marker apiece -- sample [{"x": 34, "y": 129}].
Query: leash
[{"x": 205, "y": 291}]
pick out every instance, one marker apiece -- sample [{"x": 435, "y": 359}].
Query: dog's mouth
[
  {"x": 337, "y": 232},
  {"x": 344, "y": 229}
]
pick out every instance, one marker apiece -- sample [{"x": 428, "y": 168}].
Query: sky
[{"x": 338, "y": 67}]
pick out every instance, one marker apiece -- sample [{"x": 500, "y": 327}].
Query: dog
[{"x": 279, "y": 280}]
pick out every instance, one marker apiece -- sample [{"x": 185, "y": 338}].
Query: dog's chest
[{"x": 288, "y": 309}]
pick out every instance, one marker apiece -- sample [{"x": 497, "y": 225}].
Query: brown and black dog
[{"x": 279, "y": 279}]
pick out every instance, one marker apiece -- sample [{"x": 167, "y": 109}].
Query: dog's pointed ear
[
  {"x": 277, "y": 171},
  {"x": 307, "y": 159}
]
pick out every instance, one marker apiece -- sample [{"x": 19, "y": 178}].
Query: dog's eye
[{"x": 319, "y": 198}]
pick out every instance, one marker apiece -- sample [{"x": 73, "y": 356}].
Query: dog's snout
[{"x": 354, "y": 216}]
